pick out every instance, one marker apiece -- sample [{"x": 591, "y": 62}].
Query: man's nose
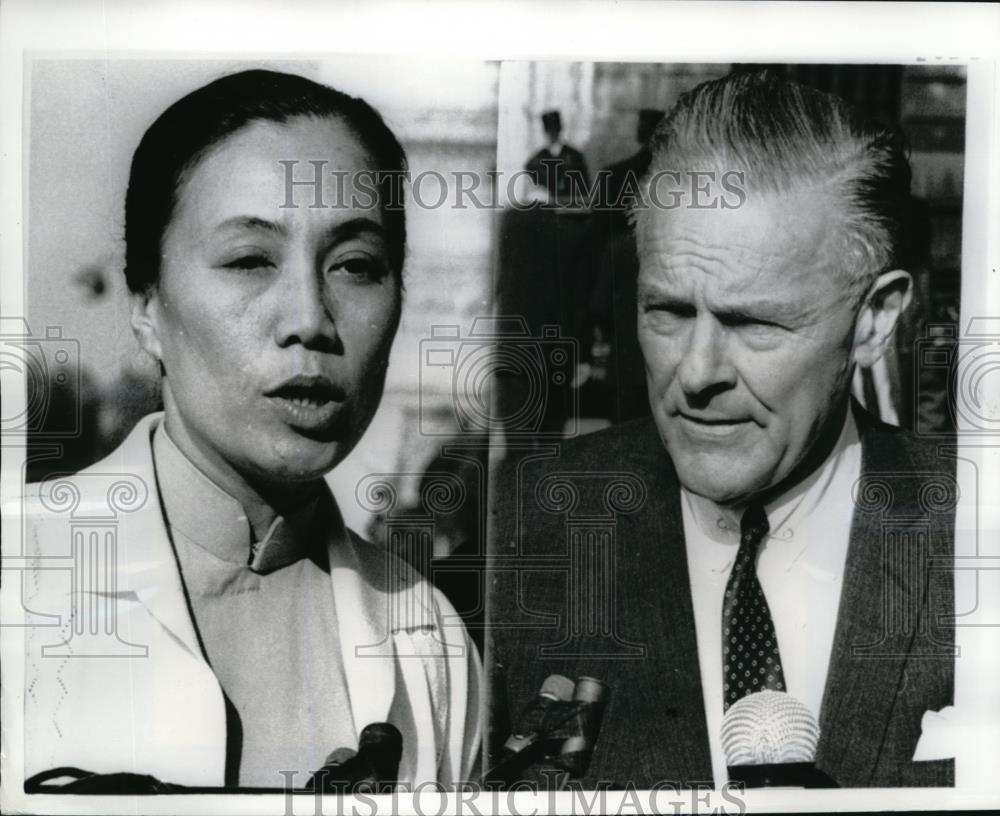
[
  {"x": 305, "y": 308},
  {"x": 705, "y": 367}
]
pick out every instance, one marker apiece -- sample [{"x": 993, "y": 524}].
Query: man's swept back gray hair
[{"x": 785, "y": 136}]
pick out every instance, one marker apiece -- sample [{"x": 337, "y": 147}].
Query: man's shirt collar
[{"x": 789, "y": 514}]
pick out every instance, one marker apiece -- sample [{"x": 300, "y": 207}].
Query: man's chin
[
  {"x": 719, "y": 485},
  {"x": 722, "y": 498}
]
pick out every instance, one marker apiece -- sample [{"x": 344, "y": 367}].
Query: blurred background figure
[
  {"x": 613, "y": 381},
  {"x": 544, "y": 272},
  {"x": 623, "y": 176},
  {"x": 558, "y": 168}
]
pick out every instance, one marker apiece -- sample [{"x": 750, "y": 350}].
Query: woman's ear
[
  {"x": 144, "y": 318},
  {"x": 884, "y": 303}
]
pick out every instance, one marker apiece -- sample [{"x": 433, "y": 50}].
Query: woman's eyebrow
[
  {"x": 344, "y": 231},
  {"x": 355, "y": 228},
  {"x": 251, "y": 222}
]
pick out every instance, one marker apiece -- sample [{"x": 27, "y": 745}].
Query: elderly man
[{"x": 762, "y": 541}]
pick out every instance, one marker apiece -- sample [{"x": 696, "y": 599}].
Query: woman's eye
[
  {"x": 362, "y": 269},
  {"x": 249, "y": 263}
]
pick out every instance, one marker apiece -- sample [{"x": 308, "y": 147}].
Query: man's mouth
[{"x": 711, "y": 425}]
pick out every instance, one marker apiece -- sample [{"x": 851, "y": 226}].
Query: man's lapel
[
  {"x": 881, "y": 592},
  {"x": 654, "y": 567},
  {"x": 654, "y": 728},
  {"x": 685, "y": 740}
]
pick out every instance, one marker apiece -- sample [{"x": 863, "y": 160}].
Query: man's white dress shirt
[{"x": 800, "y": 567}]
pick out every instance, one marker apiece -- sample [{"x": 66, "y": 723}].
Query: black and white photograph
[
  {"x": 743, "y": 406},
  {"x": 246, "y": 613},
  {"x": 444, "y": 408}
]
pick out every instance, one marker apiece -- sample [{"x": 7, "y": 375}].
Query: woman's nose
[
  {"x": 705, "y": 366},
  {"x": 305, "y": 309}
]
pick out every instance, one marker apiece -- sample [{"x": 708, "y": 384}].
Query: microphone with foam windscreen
[
  {"x": 373, "y": 768},
  {"x": 770, "y": 740}
]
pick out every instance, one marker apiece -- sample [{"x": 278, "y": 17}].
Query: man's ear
[
  {"x": 145, "y": 322},
  {"x": 884, "y": 303}
]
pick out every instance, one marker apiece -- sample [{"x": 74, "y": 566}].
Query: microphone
[
  {"x": 74, "y": 780},
  {"x": 531, "y": 732},
  {"x": 555, "y": 688},
  {"x": 372, "y": 769},
  {"x": 577, "y": 750},
  {"x": 770, "y": 739},
  {"x": 769, "y": 727}
]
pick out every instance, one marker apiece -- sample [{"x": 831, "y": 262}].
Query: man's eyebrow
[
  {"x": 654, "y": 296},
  {"x": 757, "y": 308}
]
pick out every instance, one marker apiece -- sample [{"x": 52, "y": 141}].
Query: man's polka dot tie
[{"x": 750, "y": 658}]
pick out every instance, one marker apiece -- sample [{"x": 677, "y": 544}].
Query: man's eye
[
  {"x": 761, "y": 327},
  {"x": 758, "y": 331},
  {"x": 747, "y": 323},
  {"x": 671, "y": 310},
  {"x": 249, "y": 263}
]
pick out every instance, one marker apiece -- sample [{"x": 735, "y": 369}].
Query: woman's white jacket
[{"x": 115, "y": 679}]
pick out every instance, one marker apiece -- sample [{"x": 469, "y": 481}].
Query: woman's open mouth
[{"x": 308, "y": 403}]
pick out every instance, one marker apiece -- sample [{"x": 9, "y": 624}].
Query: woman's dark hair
[{"x": 183, "y": 133}]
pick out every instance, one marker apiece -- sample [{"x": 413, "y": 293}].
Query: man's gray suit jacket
[{"x": 588, "y": 576}]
